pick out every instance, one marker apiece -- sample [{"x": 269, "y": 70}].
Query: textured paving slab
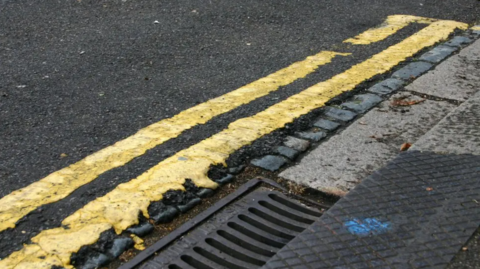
[
  {"x": 458, "y": 133},
  {"x": 339, "y": 164},
  {"x": 456, "y": 78},
  {"x": 416, "y": 212}
]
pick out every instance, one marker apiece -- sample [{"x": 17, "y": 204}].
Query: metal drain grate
[{"x": 243, "y": 235}]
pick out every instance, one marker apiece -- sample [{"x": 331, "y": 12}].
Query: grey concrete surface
[
  {"x": 457, "y": 133},
  {"x": 469, "y": 256},
  {"x": 339, "y": 164},
  {"x": 456, "y": 78}
]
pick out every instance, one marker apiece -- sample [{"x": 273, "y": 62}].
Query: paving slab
[
  {"x": 456, "y": 78},
  {"x": 339, "y": 164},
  {"x": 417, "y": 212},
  {"x": 458, "y": 132}
]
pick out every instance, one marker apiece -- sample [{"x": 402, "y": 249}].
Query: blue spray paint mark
[{"x": 367, "y": 226}]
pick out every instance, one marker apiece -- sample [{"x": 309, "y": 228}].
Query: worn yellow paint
[
  {"x": 139, "y": 244},
  {"x": 475, "y": 28},
  {"x": 119, "y": 209},
  {"x": 60, "y": 184},
  {"x": 393, "y": 24}
]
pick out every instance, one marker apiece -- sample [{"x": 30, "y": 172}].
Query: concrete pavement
[
  {"x": 416, "y": 209},
  {"x": 340, "y": 163},
  {"x": 62, "y": 205}
]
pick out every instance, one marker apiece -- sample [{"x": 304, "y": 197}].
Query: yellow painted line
[
  {"x": 119, "y": 209},
  {"x": 392, "y": 25},
  {"x": 139, "y": 243},
  {"x": 476, "y": 28},
  {"x": 61, "y": 183}
]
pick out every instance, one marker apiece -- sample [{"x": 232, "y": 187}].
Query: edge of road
[
  {"x": 356, "y": 105},
  {"x": 438, "y": 182},
  {"x": 337, "y": 118}
]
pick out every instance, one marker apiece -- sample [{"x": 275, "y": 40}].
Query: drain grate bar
[{"x": 243, "y": 235}]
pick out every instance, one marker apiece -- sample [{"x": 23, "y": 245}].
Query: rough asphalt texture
[{"x": 77, "y": 76}]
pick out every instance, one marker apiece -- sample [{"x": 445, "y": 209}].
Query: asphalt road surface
[{"x": 78, "y": 76}]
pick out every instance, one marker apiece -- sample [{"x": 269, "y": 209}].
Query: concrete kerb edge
[
  {"x": 383, "y": 89},
  {"x": 387, "y": 87}
]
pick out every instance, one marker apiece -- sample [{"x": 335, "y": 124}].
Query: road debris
[
  {"x": 401, "y": 101},
  {"x": 405, "y": 146}
]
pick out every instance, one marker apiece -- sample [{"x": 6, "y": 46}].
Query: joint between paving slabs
[
  {"x": 340, "y": 116},
  {"x": 322, "y": 129}
]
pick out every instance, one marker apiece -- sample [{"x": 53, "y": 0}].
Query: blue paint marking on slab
[{"x": 367, "y": 226}]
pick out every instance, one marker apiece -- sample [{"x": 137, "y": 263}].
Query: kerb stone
[
  {"x": 438, "y": 54},
  {"x": 339, "y": 164},
  {"x": 412, "y": 70},
  {"x": 296, "y": 143},
  {"x": 326, "y": 124},
  {"x": 313, "y": 136},
  {"x": 456, "y": 78},
  {"x": 387, "y": 86},
  {"x": 340, "y": 114},
  {"x": 287, "y": 152},
  {"x": 362, "y": 102},
  {"x": 458, "y": 41},
  {"x": 270, "y": 162}
]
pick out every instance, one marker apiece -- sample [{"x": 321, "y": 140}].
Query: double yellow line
[{"x": 119, "y": 209}]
